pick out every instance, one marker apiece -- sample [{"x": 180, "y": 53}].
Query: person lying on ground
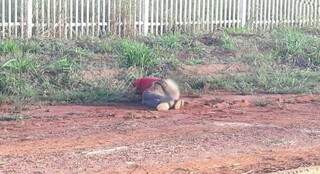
[{"x": 159, "y": 94}]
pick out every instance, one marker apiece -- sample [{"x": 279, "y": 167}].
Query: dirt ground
[{"x": 218, "y": 133}]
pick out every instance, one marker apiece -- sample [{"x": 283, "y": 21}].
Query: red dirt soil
[{"x": 220, "y": 133}]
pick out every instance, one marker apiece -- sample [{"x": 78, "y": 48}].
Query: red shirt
[{"x": 144, "y": 83}]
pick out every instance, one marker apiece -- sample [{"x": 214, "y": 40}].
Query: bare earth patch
[{"x": 220, "y": 133}]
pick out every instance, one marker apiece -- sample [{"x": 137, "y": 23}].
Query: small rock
[
  {"x": 280, "y": 100},
  {"x": 245, "y": 103},
  {"x": 221, "y": 106},
  {"x": 2, "y": 163},
  {"x": 242, "y": 103}
]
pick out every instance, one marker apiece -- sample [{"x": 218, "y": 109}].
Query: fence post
[
  {"x": 146, "y": 17},
  {"x": 29, "y": 18},
  {"x": 243, "y": 12}
]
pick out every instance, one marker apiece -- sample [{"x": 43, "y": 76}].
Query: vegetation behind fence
[{"x": 76, "y": 18}]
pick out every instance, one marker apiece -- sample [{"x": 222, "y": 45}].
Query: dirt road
[{"x": 219, "y": 133}]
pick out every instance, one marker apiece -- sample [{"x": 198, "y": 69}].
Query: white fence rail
[{"x": 76, "y": 18}]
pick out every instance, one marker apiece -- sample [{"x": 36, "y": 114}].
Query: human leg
[{"x": 156, "y": 101}]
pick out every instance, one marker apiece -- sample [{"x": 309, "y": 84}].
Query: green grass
[
  {"x": 172, "y": 41},
  {"x": 135, "y": 54},
  {"x": 89, "y": 95},
  {"x": 227, "y": 42},
  {"x": 298, "y": 48},
  {"x": 279, "y": 82},
  {"x": 9, "y": 46},
  {"x": 64, "y": 64},
  {"x": 194, "y": 61},
  {"x": 268, "y": 81},
  {"x": 33, "y": 70},
  {"x": 20, "y": 64},
  {"x": 105, "y": 47},
  {"x": 2, "y": 97}
]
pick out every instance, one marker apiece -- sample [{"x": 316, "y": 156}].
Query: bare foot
[
  {"x": 179, "y": 104},
  {"x": 163, "y": 107}
]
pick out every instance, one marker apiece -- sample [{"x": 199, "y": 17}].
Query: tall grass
[
  {"x": 135, "y": 54},
  {"x": 298, "y": 48},
  {"x": 227, "y": 42},
  {"x": 8, "y": 46}
]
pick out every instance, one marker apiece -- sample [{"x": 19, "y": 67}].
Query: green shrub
[{"x": 9, "y": 46}]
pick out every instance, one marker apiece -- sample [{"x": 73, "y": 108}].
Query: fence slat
[
  {"x": 161, "y": 17},
  {"x": 54, "y": 18},
  {"x": 16, "y": 18},
  {"x": 166, "y": 15},
  {"x": 104, "y": 16},
  {"x": 207, "y": 16},
  {"x": 48, "y": 15},
  {"x": 119, "y": 17},
  {"x": 185, "y": 15},
  {"x": 243, "y": 12},
  {"x": 317, "y": 12},
  {"x": 9, "y": 18},
  {"x": 60, "y": 18},
  {"x": 92, "y": 18},
  {"x": 22, "y": 18},
  {"x": 152, "y": 17},
  {"x": 194, "y": 15},
  {"x": 77, "y": 18},
  {"x": 3, "y": 19}
]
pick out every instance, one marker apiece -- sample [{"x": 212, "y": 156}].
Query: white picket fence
[{"x": 77, "y": 18}]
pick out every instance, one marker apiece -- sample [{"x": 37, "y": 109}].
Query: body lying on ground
[{"x": 159, "y": 94}]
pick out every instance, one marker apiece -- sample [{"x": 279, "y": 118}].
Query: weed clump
[
  {"x": 227, "y": 42},
  {"x": 297, "y": 48},
  {"x": 135, "y": 54},
  {"x": 9, "y": 46},
  {"x": 172, "y": 41},
  {"x": 12, "y": 117}
]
